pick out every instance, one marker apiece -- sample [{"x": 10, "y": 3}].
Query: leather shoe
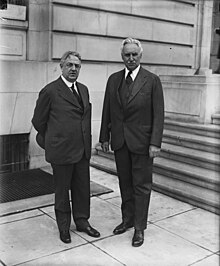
[
  {"x": 138, "y": 238},
  {"x": 65, "y": 236},
  {"x": 89, "y": 231},
  {"x": 121, "y": 228}
]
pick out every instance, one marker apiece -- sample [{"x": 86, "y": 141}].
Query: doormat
[{"x": 33, "y": 183}]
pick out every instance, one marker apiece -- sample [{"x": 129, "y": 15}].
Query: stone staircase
[
  {"x": 188, "y": 168},
  {"x": 216, "y": 119},
  {"x": 191, "y": 98}
]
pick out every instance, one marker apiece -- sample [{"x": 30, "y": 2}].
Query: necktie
[
  {"x": 76, "y": 94},
  {"x": 129, "y": 79}
]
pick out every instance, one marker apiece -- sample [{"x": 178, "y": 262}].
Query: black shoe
[
  {"x": 65, "y": 237},
  {"x": 89, "y": 231},
  {"x": 138, "y": 238},
  {"x": 121, "y": 228}
]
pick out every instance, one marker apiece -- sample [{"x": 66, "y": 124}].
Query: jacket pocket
[
  {"x": 147, "y": 129},
  {"x": 54, "y": 141}
]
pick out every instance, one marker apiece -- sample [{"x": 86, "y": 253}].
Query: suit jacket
[
  {"x": 64, "y": 127},
  {"x": 140, "y": 123}
]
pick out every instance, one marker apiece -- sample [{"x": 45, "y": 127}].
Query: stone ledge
[
  {"x": 14, "y": 12},
  {"x": 13, "y": 24}
]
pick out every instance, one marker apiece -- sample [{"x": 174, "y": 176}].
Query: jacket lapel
[
  {"x": 83, "y": 94},
  {"x": 65, "y": 93},
  {"x": 118, "y": 82},
  {"x": 138, "y": 83}
]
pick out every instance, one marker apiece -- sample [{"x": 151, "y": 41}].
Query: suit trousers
[
  {"x": 76, "y": 178},
  {"x": 135, "y": 182}
]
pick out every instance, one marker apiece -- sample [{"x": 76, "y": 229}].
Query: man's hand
[
  {"x": 154, "y": 151},
  {"x": 105, "y": 146}
]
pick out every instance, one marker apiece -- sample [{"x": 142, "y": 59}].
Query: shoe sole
[
  {"x": 66, "y": 242},
  {"x": 137, "y": 245},
  {"x": 115, "y": 233},
  {"x": 119, "y": 233},
  {"x": 79, "y": 230}
]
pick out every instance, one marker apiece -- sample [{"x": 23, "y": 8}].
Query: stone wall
[
  {"x": 84, "y": 28},
  {"x": 13, "y": 27},
  {"x": 214, "y": 61},
  {"x": 169, "y": 32}
]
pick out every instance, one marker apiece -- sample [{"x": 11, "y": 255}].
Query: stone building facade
[{"x": 179, "y": 45}]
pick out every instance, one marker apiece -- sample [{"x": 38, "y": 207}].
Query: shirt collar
[
  {"x": 69, "y": 84},
  {"x": 134, "y": 72}
]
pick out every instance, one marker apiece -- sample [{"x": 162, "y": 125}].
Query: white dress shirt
[
  {"x": 134, "y": 72},
  {"x": 69, "y": 84}
]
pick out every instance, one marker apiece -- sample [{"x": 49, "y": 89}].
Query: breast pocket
[
  {"x": 146, "y": 94},
  {"x": 143, "y": 100}
]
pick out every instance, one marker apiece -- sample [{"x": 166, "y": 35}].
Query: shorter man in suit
[
  {"x": 133, "y": 117},
  {"x": 62, "y": 118}
]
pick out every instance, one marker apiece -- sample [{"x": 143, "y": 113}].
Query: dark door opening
[{"x": 14, "y": 153}]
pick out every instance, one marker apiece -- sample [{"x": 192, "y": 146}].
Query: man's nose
[
  {"x": 131, "y": 57},
  {"x": 73, "y": 67}
]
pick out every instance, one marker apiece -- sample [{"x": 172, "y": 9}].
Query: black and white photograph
[{"x": 109, "y": 132}]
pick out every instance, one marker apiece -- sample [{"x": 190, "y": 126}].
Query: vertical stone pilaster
[
  {"x": 214, "y": 61},
  {"x": 38, "y": 35},
  {"x": 204, "y": 36}
]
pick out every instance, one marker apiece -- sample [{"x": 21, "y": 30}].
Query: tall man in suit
[
  {"x": 62, "y": 118},
  {"x": 132, "y": 118}
]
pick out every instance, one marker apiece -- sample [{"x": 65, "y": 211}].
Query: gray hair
[
  {"x": 131, "y": 40},
  {"x": 67, "y": 54}
]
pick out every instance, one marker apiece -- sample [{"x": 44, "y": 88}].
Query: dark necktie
[
  {"x": 129, "y": 79},
  {"x": 76, "y": 94}
]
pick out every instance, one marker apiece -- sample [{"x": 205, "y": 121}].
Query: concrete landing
[{"x": 178, "y": 233}]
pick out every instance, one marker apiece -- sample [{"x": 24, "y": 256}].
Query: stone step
[
  {"x": 189, "y": 193},
  {"x": 103, "y": 163},
  {"x": 109, "y": 155},
  {"x": 200, "y": 191},
  {"x": 190, "y": 174},
  {"x": 208, "y": 130},
  {"x": 193, "y": 141},
  {"x": 191, "y": 156},
  {"x": 216, "y": 119},
  {"x": 193, "y": 174}
]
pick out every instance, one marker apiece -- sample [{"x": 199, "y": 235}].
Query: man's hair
[
  {"x": 131, "y": 40},
  {"x": 67, "y": 54}
]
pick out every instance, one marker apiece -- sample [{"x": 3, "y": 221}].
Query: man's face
[
  {"x": 131, "y": 55},
  {"x": 71, "y": 68}
]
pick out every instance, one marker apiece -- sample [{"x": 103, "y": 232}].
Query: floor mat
[{"x": 33, "y": 183}]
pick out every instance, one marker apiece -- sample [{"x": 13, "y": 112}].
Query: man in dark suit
[
  {"x": 132, "y": 118},
  {"x": 217, "y": 31},
  {"x": 62, "y": 118}
]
